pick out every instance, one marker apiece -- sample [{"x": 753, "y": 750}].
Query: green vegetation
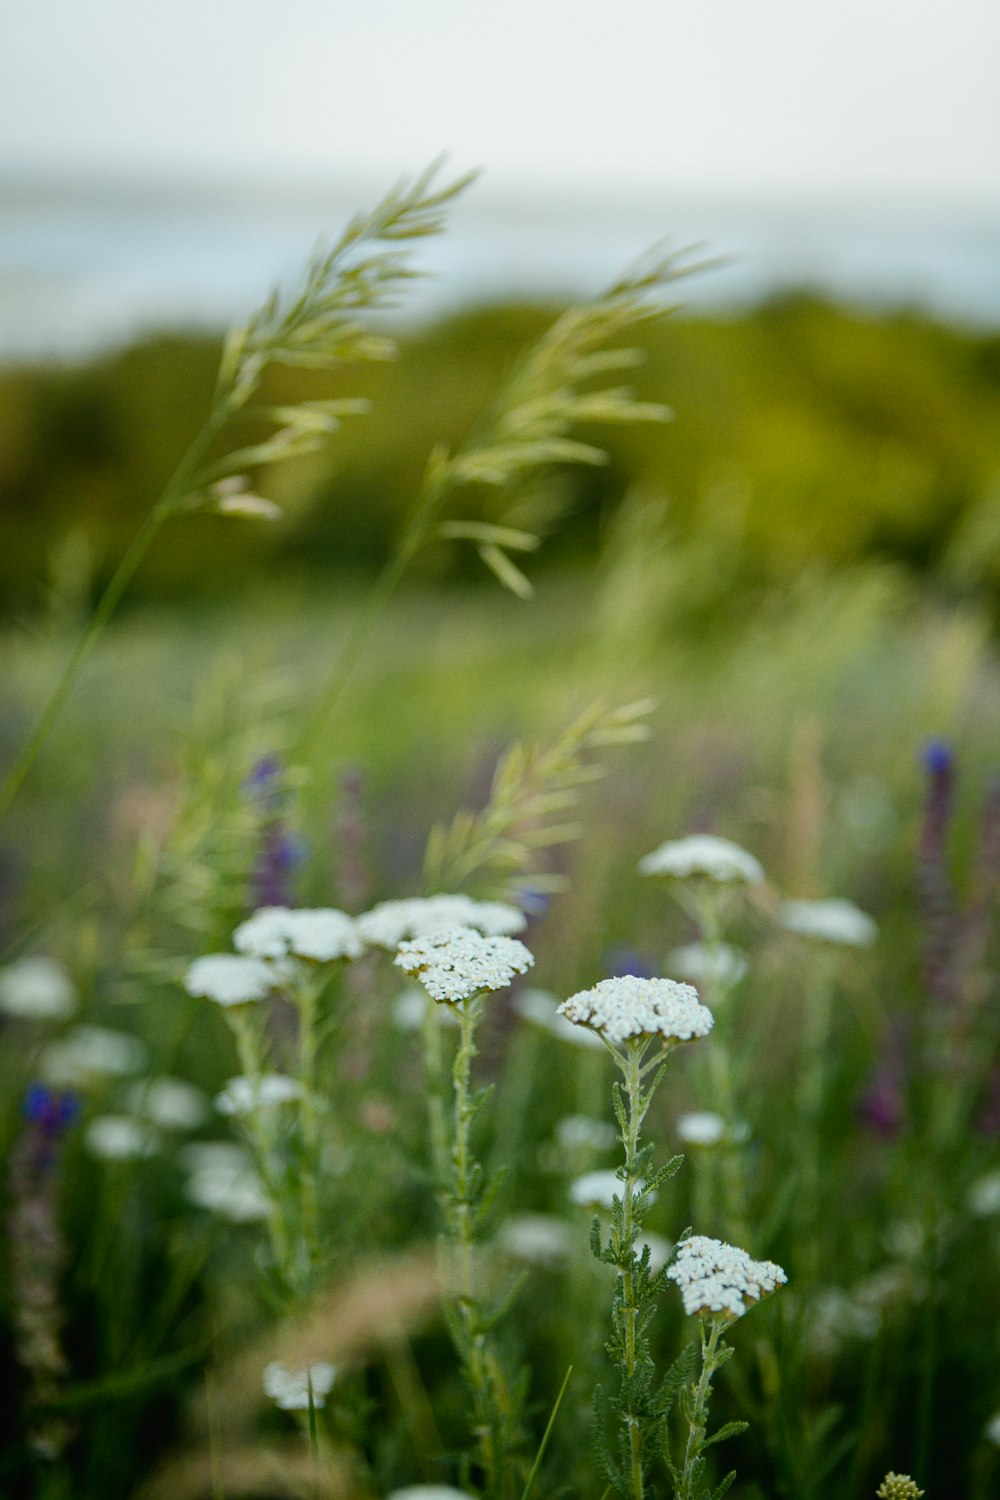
[
  {"x": 805, "y": 437},
  {"x": 750, "y": 622}
]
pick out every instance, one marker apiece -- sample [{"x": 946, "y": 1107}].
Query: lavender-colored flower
[
  {"x": 279, "y": 851},
  {"x": 882, "y": 1107},
  {"x": 936, "y": 897},
  {"x": 37, "y": 1255}
]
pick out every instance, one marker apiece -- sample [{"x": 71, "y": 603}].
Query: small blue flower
[
  {"x": 53, "y": 1109},
  {"x": 938, "y": 757}
]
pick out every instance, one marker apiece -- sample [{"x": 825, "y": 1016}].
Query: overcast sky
[{"x": 779, "y": 96}]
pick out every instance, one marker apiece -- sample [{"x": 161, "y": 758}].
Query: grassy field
[{"x": 779, "y": 632}]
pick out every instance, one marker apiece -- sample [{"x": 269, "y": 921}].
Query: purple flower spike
[
  {"x": 50, "y": 1109},
  {"x": 936, "y": 897},
  {"x": 938, "y": 757}
]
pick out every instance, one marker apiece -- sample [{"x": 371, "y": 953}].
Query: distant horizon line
[{"x": 29, "y": 182}]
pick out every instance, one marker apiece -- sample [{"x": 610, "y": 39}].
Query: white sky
[{"x": 777, "y": 96}]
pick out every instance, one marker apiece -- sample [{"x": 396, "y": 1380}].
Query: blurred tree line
[{"x": 806, "y": 437}]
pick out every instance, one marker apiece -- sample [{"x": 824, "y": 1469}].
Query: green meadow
[{"x": 772, "y": 620}]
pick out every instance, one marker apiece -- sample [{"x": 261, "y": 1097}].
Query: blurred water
[{"x": 87, "y": 266}]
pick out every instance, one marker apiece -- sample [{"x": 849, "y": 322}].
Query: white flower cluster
[
  {"x": 120, "y": 1138},
  {"x": 37, "y": 989},
  {"x": 714, "y": 1277},
  {"x": 221, "y": 1178},
  {"x": 702, "y": 1127},
  {"x": 170, "y": 1103},
  {"x": 581, "y": 1132},
  {"x": 708, "y": 963},
  {"x": 392, "y": 922},
  {"x": 230, "y": 978},
  {"x": 87, "y": 1055},
  {"x": 429, "y": 1492},
  {"x": 321, "y": 934},
  {"x": 539, "y": 1239},
  {"x": 244, "y": 1096},
  {"x": 831, "y": 921},
  {"x": 455, "y": 963},
  {"x": 634, "y": 1007},
  {"x": 289, "y": 1389},
  {"x": 599, "y": 1189},
  {"x": 704, "y": 855}
]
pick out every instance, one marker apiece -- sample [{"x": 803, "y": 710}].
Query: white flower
[
  {"x": 574, "y": 1132},
  {"x": 234, "y": 1191},
  {"x": 390, "y": 922},
  {"x": 88, "y": 1054},
  {"x": 242, "y": 1096},
  {"x": 410, "y": 1007},
  {"x": 984, "y": 1196},
  {"x": 230, "y": 978},
  {"x": 120, "y": 1138},
  {"x": 634, "y": 1007},
  {"x": 991, "y": 1431},
  {"x": 289, "y": 1389},
  {"x": 538, "y": 1239},
  {"x": 37, "y": 989},
  {"x": 831, "y": 921},
  {"x": 835, "y": 1317},
  {"x": 599, "y": 1189},
  {"x": 543, "y": 1009},
  {"x": 321, "y": 934},
  {"x": 714, "y": 1277},
  {"x": 170, "y": 1103},
  {"x": 701, "y": 1128},
  {"x": 217, "y": 1156},
  {"x": 708, "y": 963},
  {"x": 703, "y": 854},
  {"x": 429, "y": 1492},
  {"x": 456, "y": 962}
]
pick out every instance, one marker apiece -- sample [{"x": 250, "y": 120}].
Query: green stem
[
  {"x": 306, "y": 997},
  {"x": 729, "y": 1156},
  {"x": 249, "y": 1053},
  {"x": 817, "y": 1015},
  {"x": 474, "y": 1340},
  {"x": 633, "y": 1088},
  {"x": 698, "y": 1414}
]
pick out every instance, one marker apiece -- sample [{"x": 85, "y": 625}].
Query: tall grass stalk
[{"x": 319, "y": 328}]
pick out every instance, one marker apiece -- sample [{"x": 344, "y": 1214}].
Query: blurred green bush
[{"x": 807, "y": 437}]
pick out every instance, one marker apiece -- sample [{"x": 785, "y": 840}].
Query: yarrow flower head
[
  {"x": 37, "y": 989},
  {"x": 599, "y": 1189},
  {"x": 830, "y": 921},
  {"x": 243, "y": 1096},
  {"x": 170, "y": 1103},
  {"x": 290, "y": 1389},
  {"x": 702, "y": 1127},
  {"x": 321, "y": 934},
  {"x": 457, "y": 963},
  {"x": 88, "y": 1055},
  {"x": 429, "y": 1492},
  {"x": 392, "y": 922},
  {"x": 120, "y": 1138},
  {"x": 709, "y": 963},
  {"x": 703, "y": 855},
  {"x": 222, "y": 1179},
  {"x": 230, "y": 978},
  {"x": 720, "y": 1280},
  {"x": 898, "y": 1487},
  {"x": 627, "y": 1007}
]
